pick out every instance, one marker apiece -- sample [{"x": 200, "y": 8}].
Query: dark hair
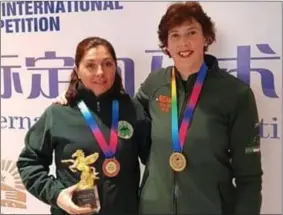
[
  {"x": 177, "y": 14},
  {"x": 82, "y": 48}
]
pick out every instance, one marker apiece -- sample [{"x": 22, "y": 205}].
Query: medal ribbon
[
  {"x": 178, "y": 137},
  {"x": 109, "y": 151}
]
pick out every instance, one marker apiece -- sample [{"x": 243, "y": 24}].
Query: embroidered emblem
[
  {"x": 252, "y": 149},
  {"x": 164, "y": 103},
  {"x": 125, "y": 130}
]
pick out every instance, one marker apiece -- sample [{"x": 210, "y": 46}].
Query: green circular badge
[{"x": 125, "y": 130}]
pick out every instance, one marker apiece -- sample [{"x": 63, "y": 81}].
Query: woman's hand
[
  {"x": 65, "y": 202},
  {"x": 61, "y": 99}
]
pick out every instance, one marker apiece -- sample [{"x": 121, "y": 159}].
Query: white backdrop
[{"x": 248, "y": 45}]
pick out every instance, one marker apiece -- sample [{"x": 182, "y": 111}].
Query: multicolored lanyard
[
  {"x": 178, "y": 136},
  {"x": 108, "y": 150}
]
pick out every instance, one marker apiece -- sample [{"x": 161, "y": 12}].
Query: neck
[
  {"x": 97, "y": 94},
  {"x": 186, "y": 70}
]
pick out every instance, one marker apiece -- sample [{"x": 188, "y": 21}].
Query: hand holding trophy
[{"x": 84, "y": 194}]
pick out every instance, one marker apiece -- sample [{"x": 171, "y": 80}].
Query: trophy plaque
[{"x": 86, "y": 194}]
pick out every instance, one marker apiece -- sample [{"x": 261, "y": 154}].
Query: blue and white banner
[{"x": 38, "y": 41}]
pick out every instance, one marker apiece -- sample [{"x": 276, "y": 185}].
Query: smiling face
[
  {"x": 97, "y": 70},
  {"x": 185, "y": 43},
  {"x": 185, "y": 33}
]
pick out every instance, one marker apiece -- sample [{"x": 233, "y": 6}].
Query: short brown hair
[
  {"x": 177, "y": 14},
  {"x": 83, "y": 46}
]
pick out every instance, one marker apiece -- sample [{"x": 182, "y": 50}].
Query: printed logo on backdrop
[
  {"x": 44, "y": 16},
  {"x": 44, "y": 77},
  {"x": 13, "y": 66},
  {"x": 13, "y": 193},
  {"x": 243, "y": 69}
]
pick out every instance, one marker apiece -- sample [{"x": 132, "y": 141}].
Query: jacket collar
[
  {"x": 115, "y": 92},
  {"x": 211, "y": 62}
]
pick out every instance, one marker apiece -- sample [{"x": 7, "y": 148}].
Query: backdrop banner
[{"x": 38, "y": 42}]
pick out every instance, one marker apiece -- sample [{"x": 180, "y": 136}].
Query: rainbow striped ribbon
[
  {"x": 108, "y": 150},
  {"x": 178, "y": 137}
]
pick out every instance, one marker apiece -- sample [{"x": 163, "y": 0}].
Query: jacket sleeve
[
  {"x": 144, "y": 125},
  {"x": 34, "y": 161},
  {"x": 142, "y": 130},
  {"x": 246, "y": 155},
  {"x": 143, "y": 94}
]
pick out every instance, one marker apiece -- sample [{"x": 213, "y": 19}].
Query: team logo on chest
[
  {"x": 125, "y": 130},
  {"x": 164, "y": 103}
]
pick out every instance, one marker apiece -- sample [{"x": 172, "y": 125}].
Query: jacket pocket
[{"x": 227, "y": 195}]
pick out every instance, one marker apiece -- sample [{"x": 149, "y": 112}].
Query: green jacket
[
  {"x": 63, "y": 130},
  {"x": 222, "y": 145}
]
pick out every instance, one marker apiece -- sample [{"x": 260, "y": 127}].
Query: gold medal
[
  {"x": 111, "y": 167},
  {"x": 177, "y": 161}
]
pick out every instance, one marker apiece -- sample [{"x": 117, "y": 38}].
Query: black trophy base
[{"x": 86, "y": 198}]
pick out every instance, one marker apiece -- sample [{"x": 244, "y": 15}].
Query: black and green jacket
[
  {"x": 63, "y": 130},
  {"x": 222, "y": 145}
]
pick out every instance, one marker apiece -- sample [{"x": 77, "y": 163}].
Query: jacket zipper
[
  {"x": 175, "y": 193},
  {"x": 98, "y": 106},
  {"x": 175, "y": 175}
]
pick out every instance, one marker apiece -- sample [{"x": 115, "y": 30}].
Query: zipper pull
[
  {"x": 176, "y": 190},
  {"x": 98, "y": 106}
]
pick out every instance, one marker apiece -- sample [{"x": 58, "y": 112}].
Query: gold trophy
[{"x": 86, "y": 194}]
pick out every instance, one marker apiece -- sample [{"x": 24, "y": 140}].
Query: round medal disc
[
  {"x": 111, "y": 167},
  {"x": 177, "y": 161}
]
